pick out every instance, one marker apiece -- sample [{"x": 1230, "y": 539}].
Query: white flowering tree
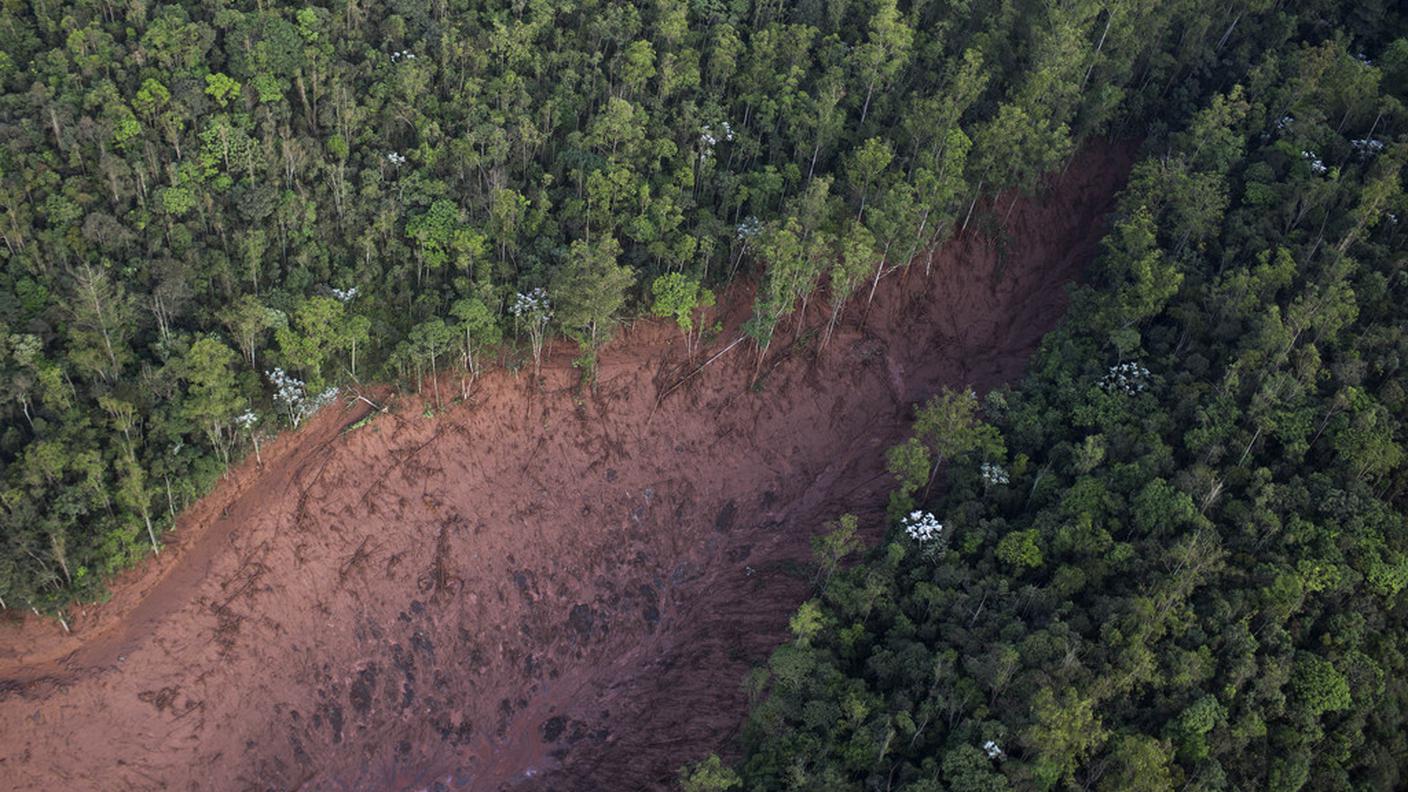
[
  {"x": 291, "y": 394},
  {"x": 246, "y": 421},
  {"x": 1128, "y": 378},
  {"x": 532, "y": 311},
  {"x": 994, "y": 474},
  {"x": 925, "y": 530}
]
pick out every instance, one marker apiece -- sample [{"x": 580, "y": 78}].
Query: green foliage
[
  {"x": 807, "y": 622},
  {"x": 591, "y": 289},
  {"x": 212, "y": 401},
  {"x": 946, "y": 427},
  {"x": 1192, "y": 573},
  {"x": 480, "y": 327},
  {"x": 318, "y": 330},
  {"x": 177, "y": 201},
  {"x": 1139, "y": 764},
  {"x": 708, "y": 775},
  {"x": 1318, "y": 686},
  {"x": 1148, "y": 279},
  {"x": 949, "y": 426},
  {"x": 911, "y": 464},
  {"x": 359, "y": 192},
  {"x": 678, "y": 296},
  {"x": 248, "y": 321},
  {"x": 786, "y": 277},
  {"x": 856, "y": 258},
  {"x": 221, "y": 88},
  {"x": 1020, "y": 550},
  {"x": 830, "y": 548},
  {"x": 1065, "y": 731}
]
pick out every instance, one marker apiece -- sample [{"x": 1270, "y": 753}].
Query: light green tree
[
  {"x": 480, "y": 327},
  {"x": 591, "y": 289},
  {"x": 1066, "y": 730},
  {"x": 855, "y": 261},
  {"x": 212, "y": 399},
  {"x": 885, "y": 51},
  {"x": 249, "y": 321},
  {"x": 318, "y": 331},
  {"x": 708, "y": 775},
  {"x": 222, "y": 88},
  {"x": 430, "y": 340},
  {"x": 678, "y": 297}
]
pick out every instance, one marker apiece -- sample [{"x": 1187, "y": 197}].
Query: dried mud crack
[{"x": 532, "y": 589}]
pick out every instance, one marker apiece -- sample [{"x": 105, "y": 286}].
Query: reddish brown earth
[{"x": 532, "y": 588}]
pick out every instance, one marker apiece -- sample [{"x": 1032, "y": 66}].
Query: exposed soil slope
[{"x": 529, "y": 588}]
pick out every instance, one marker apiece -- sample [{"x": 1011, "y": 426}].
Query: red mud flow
[{"x": 534, "y": 589}]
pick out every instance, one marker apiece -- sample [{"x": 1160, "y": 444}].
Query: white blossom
[
  {"x": 292, "y": 393},
  {"x": 710, "y": 137},
  {"x": 923, "y": 527},
  {"x": 1128, "y": 378},
  {"x": 345, "y": 295},
  {"x": 287, "y": 388},
  {"x": 246, "y": 419},
  {"x": 322, "y": 399},
  {"x": 1285, "y": 121},
  {"x": 992, "y": 749},
  {"x": 994, "y": 473},
  {"x": 1316, "y": 166},
  {"x": 402, "y": 55},
  {"x": 1367, "y": 147},
  {"x": 396, "y": 159},
  {"x": 749, "y": 228},
  {"x": 532, "y": 305}
]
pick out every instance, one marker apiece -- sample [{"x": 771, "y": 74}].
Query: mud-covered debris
[
  {"x": 726, "y": 516},
  {"x": 422, "y": 643},
  {"x": 359, "y": 694},
  {"x": 581, "y": 620}
]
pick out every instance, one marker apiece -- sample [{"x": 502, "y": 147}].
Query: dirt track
[{"x": 529, "y": 589}]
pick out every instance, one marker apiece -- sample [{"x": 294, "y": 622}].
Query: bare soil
[{"x": 539, "y": 587}]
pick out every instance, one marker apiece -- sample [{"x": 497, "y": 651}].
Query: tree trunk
[
  {"x": 151, "y": 534},
  {"x": 976, "y": 195},
  {"x": 1109, "y": 17}
]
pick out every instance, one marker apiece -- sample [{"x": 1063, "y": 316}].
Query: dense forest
[
  {"x": 1175, "y": 556},
  {"x": 216, "y": 214}
]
